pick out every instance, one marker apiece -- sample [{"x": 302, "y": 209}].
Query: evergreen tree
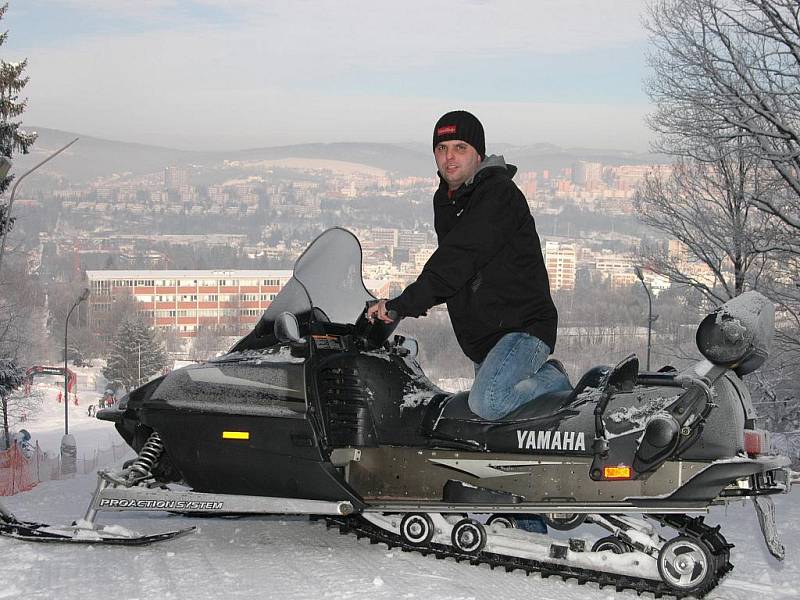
[
  {"x": 137, "y": 354},
  {"x": 12, "y": 138},
  {"x": 11, "y": 377}
]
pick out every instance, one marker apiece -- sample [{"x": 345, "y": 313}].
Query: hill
[{"x": 93, "y": 157}]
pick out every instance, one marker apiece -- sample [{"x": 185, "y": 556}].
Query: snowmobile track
[{"x": 693, "y": 527}]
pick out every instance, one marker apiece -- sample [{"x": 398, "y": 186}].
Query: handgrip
[{"x": 392, "y": 314}]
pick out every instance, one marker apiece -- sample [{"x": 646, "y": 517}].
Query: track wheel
[
  {"x": 564, "y": 521},
  {"x": 506, "y": 521},
  {"x": 686, "y": 564},
  {"x": 417, "y": 528},
  {"x": 469, "y": 536},
  {"x": 616, "y": 545}
]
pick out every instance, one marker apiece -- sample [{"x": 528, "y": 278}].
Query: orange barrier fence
[
  {"x": 18, "y": 473},
  {"x": 21, "y": 471}
]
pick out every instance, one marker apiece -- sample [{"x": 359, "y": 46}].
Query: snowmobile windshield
[
  {"x": 330, "y": 272},
  {"x": 326, "y": 285}
]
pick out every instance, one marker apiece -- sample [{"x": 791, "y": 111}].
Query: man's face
[{"x": 457, "y": 162}]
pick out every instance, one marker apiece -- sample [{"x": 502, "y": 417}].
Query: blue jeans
[{"x": 512, "y": 374}]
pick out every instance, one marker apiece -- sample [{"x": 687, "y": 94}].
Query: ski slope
[
  {"x": 47, "y": 426},
  {"x": 294, "y": 558}
]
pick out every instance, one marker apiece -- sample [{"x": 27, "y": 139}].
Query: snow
[
  {"x": 293, "y": 558},
  {"x": 744, "y": 320},
  {"x": 257, "y": 357},
  {"x": 640, "y": 415},
  {"x": 47, "y": 427},
  {"x": 413, "y": 399}
]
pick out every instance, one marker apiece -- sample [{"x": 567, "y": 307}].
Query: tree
[
  {"x": 93, "y": 339},
  {"x": 137, "y": 353},
  {"x": 709, "y": 207},
  {"x": 11, "y": 377},
  {"x": 729, "y": 70},
  {"x": 21, "y": 316},
  {"x": 726, "y": 75},
  {"x": 208, "y": 343},
  {"x": 12, "y": 138},
  {"x": 15, "y": 320}
]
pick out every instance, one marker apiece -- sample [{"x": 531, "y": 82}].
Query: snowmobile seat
[{"x": 449, "y": 417}]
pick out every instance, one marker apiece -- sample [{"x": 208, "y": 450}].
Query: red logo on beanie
[{"x": 446, "y": 130}]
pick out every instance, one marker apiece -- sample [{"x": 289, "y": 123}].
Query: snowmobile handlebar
[
  {"x": 373, "y": 333},
  {"x": 392, "y": 314}
]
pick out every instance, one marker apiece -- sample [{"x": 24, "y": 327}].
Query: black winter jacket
[{"x": 488, "y": 266}]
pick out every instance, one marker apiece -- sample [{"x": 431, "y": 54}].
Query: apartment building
[
  {"x": 183, "y": 301},
  {"x": 561, "y": 260}
]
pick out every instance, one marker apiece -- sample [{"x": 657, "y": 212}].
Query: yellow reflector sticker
[
  {"x": 620, "y": 472},
  {"x": 235, "y": 435}
]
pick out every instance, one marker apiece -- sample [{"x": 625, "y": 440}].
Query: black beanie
[{"x": 460, "y": 125}]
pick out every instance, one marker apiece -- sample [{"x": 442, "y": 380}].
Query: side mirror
[
  {"x": 287, "y": 329},
  {"x": 623, "y": 376}
]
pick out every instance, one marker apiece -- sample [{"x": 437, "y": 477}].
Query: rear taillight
[{"x": 756, "y": 441}]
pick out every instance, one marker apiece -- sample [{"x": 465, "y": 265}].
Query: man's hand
[{"x": 379, "y": 310}]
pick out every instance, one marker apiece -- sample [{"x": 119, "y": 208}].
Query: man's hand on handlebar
[{"x": 378, "y": 309}]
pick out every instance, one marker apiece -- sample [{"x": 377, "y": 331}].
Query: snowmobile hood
[{"x": 266, "y": 383}]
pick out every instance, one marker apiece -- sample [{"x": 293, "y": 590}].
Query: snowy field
[
  {"x": 293, "y": 558},
  {"x": 47, "y": 427}
]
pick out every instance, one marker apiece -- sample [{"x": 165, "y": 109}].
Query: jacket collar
[{"x": 491, "y": 165}]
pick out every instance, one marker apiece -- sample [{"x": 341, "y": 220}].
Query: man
[{"x": 490, "y": 270}]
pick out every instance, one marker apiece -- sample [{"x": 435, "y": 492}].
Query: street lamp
[
  {"x": 69, "y": 452},
  {"x": 84, "y": 295},
  {"x": 650, "y": 318},
  {"x": 5, "y": 166}
]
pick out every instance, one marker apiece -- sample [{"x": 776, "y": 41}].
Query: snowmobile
[{"x": 320, "y": 411}]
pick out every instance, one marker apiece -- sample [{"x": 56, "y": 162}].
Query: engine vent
[{"x": 345, "y": 400}]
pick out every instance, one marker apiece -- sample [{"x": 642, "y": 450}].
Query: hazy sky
[{"x": 210, "y": 74}]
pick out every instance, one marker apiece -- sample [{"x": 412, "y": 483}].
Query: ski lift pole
[{"x": 14, "y": 189}]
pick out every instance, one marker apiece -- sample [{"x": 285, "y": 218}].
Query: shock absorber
[{"x": 142, "y": 467}]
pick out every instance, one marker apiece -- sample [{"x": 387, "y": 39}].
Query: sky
[{"x": 232, "y": 74}]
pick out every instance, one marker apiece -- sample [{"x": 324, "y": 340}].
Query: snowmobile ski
[{"x": 82, "y": 533}]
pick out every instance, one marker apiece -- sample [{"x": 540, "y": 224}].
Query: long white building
[{"x": 231, "y": 302}]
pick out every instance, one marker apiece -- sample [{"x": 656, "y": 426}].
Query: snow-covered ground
[
  {"x": 47, "y": 427},
  {"x": 293, "y": 558}
]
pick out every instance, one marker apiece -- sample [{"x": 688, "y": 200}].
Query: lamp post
[
  {"x": 84, "y": 295},
  {"x": 650, "y": 319},
  {"x": 69, "y": 451},
  {"x": 6, "y": 164}
]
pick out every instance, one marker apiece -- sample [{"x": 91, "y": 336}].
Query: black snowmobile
[{"x": 319, "y": 411}]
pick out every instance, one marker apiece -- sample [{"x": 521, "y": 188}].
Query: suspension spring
[{"x": 142, "y": 467}]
